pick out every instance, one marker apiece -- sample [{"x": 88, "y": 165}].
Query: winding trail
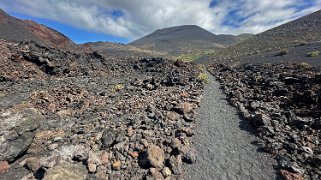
[{"x": 223, "y": 142}]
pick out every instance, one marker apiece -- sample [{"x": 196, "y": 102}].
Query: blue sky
[
  {"x": 126, "y": 20},
  {"x": 78, "y": 35}
]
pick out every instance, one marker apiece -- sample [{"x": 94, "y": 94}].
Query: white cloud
[{"x": 144, "y": 16}]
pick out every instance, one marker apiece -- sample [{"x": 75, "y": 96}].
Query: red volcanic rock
[
  {"x": 48, "y": 35},
  {"x": 14, "y": 29}
]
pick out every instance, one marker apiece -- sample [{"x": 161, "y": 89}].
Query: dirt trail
[{"x": 224, "y": 144}]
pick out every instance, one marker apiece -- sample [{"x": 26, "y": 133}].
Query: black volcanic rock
[
  {"x": 282, "y": 102},
  {"x": 183, "y": 38}
]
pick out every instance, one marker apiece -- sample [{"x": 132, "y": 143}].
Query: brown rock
[
  {"x": 175, "y": 143},
  {"x": 66, "y": 171},
  {"x": 184, "y": 108},
  {"x": 116, "y": 165},
  {"x": 92, "y": 167},
  {"x": 155, "y": 156},
  {"x": 104, "y": 157},
  {"x": 155, "y": 174},
  {"x": 130, "y": 131},
  {"x": 166, "y": 172},
  {"x": 4, "y": 166},
  {"x": 172, "y": 116},
  {"x": 133, "y": 154},
  {"x": 33, "y": 164},
  {"x": 176, "y": 164},
  {"x": 291, "y": 176}
]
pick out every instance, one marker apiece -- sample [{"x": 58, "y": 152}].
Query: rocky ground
[
  {"x": 83, "y": 116},
  {"x": 282, "y": 101}
]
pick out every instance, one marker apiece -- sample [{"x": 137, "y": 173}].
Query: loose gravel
[{"x": 223, "y": 142}]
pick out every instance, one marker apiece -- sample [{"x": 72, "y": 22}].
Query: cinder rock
[
  {"x": 133, "y": 154},
  {"x": 116, "y": 165},
  {"x": 166, "y": 172},
  {"x": 261, "y": 120},
  {"x": 155, "y": 174},
  {"x": 104, "y": 157},
  {"x": 184, "y": 108},
  {"x": 291, "y": 176},
  {"x": 33, "y": 164},
  {"x": 92, "y": 167},
  {"x": 188, "y": 154},
  {"x": 53, "y": 146},
  {"x": 4, "y": 166},
  {"x": 176, "y": 164},
  {"x": 175, "y": 143},
  {"x": 17, "y": 132},
  {"x": 108, "y": 138},
  {"x": 155, "y": 156},
  {"x": 66, "y": 171}
]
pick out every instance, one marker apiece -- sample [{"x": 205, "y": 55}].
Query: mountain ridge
[
  {"x": 15, "y": 29},
  {"x": 294, "y": 33},
  {"x": 182, "y": 38}
]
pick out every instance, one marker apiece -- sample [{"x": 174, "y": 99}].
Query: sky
[{"x": 126, "y": 20}]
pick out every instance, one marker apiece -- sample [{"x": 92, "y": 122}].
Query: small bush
[
  {"x": 305, "y": 65},
  {"x": 202, "y": 77},
  {"x": 283, "y": 52},
  {"x": 118, "y": 87},
  {"x": 302, "y": 43},
  {"x": 313, "y": 54},
  {"x": 188, "y": 57}
]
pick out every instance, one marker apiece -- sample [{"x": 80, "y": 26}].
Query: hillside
[
  {"x": 300, "y": 31},
  {"x": 245, "y": 36},
  {"x": 187, "y": 38},
  {"x": 14, "y": 29},
  {"x": 118, "y": 50}
]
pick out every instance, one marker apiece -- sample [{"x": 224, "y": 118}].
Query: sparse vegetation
[
  {"x": 302, "y": 43},
  {"x": 305, "y": 65},
  {"x": 313, "y": 54},
  {"x": 118, "y": 87},
  {"x": 188, "y": 57},
  {"x": 203, "y": 77},
  {"x": 2, "y": 94},
  {"x": 283, "y": 52}
]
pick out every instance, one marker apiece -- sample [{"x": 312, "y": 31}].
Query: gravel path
[{"x": 224, "y": 144}]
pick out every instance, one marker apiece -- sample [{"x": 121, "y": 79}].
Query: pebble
[{"x": 116, "y": 165}]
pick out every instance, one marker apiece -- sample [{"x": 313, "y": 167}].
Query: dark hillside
[
  {"x": 183, "y": 39},
  {"x": 300, "y": 31}
]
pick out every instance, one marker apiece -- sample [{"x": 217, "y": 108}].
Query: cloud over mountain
[{"x": 135, "y": 18}]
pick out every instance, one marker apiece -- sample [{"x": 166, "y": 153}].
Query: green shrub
[
  {"x": 302, "y": 43},
  {"x": 313, "y": 54},
  {"x": 188, "y": 57},
  {"x": 202, "y": 77},
  {"x": 118, "y": 87}
]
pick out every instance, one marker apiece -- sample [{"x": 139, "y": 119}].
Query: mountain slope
[
  {"x": 14, "y": 29},
  {"x": 183, "y": 39},
  {"x": 118, "y": 50},
  {"x": 299, "y": 31}
]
